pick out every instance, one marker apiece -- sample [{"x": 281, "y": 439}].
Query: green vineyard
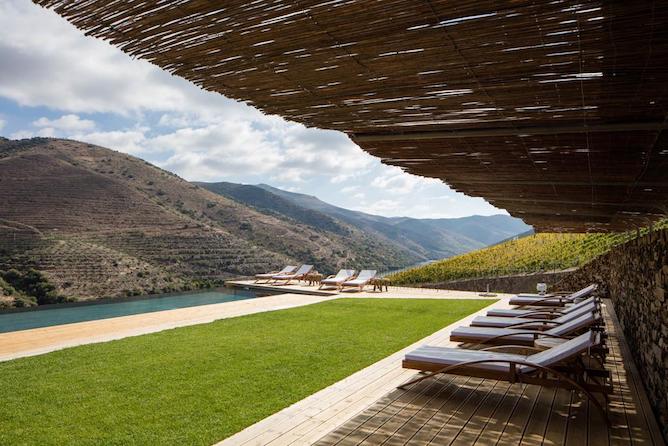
[{"x": 539, "y": 252}]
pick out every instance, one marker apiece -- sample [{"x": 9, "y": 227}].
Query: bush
[{"x": 33, "y": 284}]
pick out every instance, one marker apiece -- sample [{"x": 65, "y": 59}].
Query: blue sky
[{"x": 54, "y": 81}]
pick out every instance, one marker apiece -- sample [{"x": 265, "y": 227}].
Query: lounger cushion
[
  {"x": 547, "y": 301},
  {"x": 304, "y": 269},
  {"x": 510, "y": 312},
  {"x": 355, "y": 282},
  {"x": 340, "y": 277},
  {"x": 451, "y": 356},
  {"x": 502, "y": 322},
  {"x": 483, "y": 334},
  {"x": 566, "y": 350},
  {"x": 544, "y": 300},
  {"x": 287, "y": 270},
  {"x": 574, "y": 325},
  {"x": 514, "y": 312},
  {"x": 486, "y": 321},
  {"x": 362, "y": 279}
]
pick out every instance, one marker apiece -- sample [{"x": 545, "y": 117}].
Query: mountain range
[
  {"x": 99, "y": 223},
  {"x": 423, "y": 239}
]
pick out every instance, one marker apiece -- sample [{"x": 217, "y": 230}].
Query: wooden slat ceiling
[{"x": 553, "y": 110}]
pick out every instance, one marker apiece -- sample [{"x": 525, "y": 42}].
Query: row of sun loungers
[
  {"x": 575, "y": 360},
  {"x": 344, "y": 278}
]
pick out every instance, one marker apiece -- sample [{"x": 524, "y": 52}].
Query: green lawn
[{"x": 200, "y": 384}]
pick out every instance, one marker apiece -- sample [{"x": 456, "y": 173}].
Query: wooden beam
[{"x": 511, "y": 131}]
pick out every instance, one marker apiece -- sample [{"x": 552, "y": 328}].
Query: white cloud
[
  {"x": 104, "y": 97},
  {"x": 48, "y": 62},
  {"x": 214, "y": 151},
  {"x": 2, "y": 124},
  {"x": 66, "y": 123},
  {"x": 128, "y": 141}
]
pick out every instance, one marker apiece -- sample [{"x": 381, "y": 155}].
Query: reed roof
[{"x": 553, "y": 110}]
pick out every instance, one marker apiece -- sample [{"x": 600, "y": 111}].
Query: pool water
[{"x": 70, "y": 313}]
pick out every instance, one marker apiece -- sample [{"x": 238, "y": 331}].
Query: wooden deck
[{"x": 463, "y": 411}]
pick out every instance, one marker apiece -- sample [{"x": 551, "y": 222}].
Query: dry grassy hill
[{"x": 99, "y": 223}]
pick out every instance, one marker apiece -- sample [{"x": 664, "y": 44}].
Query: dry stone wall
[
  {"x": 519, "y": 283},
  {"x": 635, "y": 277}
]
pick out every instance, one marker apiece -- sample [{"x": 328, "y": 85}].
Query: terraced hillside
[
  {"x": 533, "y": 253},
  {"x": 99, "y": 223}
]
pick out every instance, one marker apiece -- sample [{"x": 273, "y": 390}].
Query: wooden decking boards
[{"x": 461, "y": 411}]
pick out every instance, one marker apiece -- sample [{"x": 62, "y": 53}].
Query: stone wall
[
  {"x": 520, "y": 283},
  {"x": 635, "y": 277}
]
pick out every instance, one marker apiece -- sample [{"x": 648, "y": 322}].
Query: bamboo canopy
[{"x": 553, "y": 110}]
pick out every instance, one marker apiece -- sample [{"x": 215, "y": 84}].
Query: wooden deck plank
[
  {"x": 457, "y": 395},
  {"x": 641, "y": 406},
  {"x": 555, "y": 432},
  {"x": 407, "y": 431},
  {"x": 578, "y": 418},
  {"x": 461, "y": 417},
  {"x": 514, "y": 428},
  {"x": 389, "y": 430},
  {"x": 535, "y": 430},
  {"x": 493, "y": 430},
  {"x": 475, "y": 425}
]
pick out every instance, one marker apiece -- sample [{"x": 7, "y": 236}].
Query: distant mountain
[
  {"x": 99, "y": 223},
  {"x": 82, "y": 222},
  {"x": 427, "y": 239}
]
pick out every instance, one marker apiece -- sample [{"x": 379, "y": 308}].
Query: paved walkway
[
  {"x": 393, "y": 291},
  {"x": 37, "y": 341},
  {"x": 43, "y": 340}
]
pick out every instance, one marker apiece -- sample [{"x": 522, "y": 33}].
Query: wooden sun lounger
[
  {"x": 362, "y": 279},
  {"x": 298, "y": 275},
  {"x": 560, "y": 366},
  {"x": 546, "y": 312},
  {"x": 519, "y": 335},
  {"x": 538, "y": 322},
  {"x": 552, "y": 300},
  {"x": 340, "y": 277},
  {"x": 267, "y": 276}
]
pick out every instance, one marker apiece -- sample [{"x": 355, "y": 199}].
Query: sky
[{"x": 56, "y": 82}]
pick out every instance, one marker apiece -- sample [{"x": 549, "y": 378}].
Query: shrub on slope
[{"x": 539, "y": 252}]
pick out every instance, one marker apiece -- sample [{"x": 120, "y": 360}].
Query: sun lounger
[
  {"x": 523, "y": 336},
  {"x": 547, "y": 312},
  {"x": 297, "y": 275},
  {"x": 538, "y": 322},
  {"x": 267, "y": 276},
  {"x": 560, "y": 366},
  {"x": 340, "y": 277},
  {"x": 362, "y": 279},
  {"x": 560, "y": 301}
]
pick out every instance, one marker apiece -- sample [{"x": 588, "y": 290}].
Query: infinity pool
[{"x": 70, "y": 313}]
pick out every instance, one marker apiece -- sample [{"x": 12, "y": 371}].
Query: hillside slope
[
  {"x": 100, "y": 223},
  {"x": 533, "y": 253},
  {"x": 427, "y": 239}
]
